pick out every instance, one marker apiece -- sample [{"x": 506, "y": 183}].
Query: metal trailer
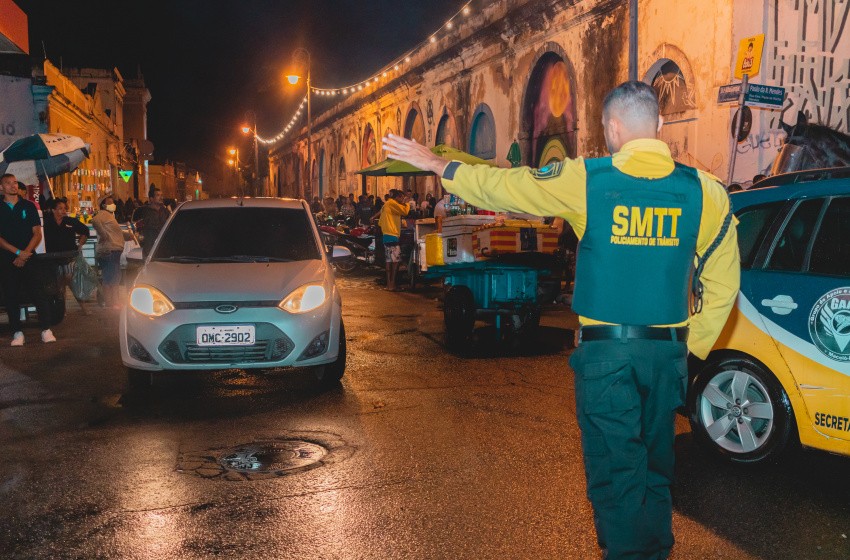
[{"x": 508, "y": 294}]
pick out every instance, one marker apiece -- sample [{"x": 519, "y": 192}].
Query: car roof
[
  {"x": 245, "y": 202},
  {"x": 792, "y": 186}
]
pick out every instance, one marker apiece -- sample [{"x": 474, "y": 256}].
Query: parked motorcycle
[{"x": 360, "y": 241}]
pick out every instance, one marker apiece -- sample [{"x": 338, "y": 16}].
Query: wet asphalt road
[{"x": 431, "y": 455}]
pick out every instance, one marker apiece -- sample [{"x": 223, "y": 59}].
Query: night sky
[{"x": 206, "y": 62}]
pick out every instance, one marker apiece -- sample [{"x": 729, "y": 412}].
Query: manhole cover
[
  {"x": 274, "y": 456},
  {"x": 285, "y": 455}
]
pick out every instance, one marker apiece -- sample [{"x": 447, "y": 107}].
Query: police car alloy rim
[{"x": 736, "y": 411}]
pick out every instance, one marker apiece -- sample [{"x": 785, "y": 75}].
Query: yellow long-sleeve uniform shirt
[
  {"x": 564, "y": 194},
  {"x": 391, "y": 214}
]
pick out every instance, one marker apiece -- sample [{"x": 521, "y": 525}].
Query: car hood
[{"x": 230, "y": 281}]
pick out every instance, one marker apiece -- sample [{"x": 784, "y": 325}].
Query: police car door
[{"x": 802, "y": 292}]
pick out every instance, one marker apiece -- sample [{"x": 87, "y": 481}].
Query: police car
[{"x": 780, "y": 372}]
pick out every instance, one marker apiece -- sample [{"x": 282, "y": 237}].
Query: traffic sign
[
  {"x": 758, "y": 95},
  {"x": 768, "y": 97},
  {"x": 125, "y": 175},
  {"x": 746, "y": 125},
  {"x": 729, "y": 93},
  {"x": 749, "y": 56}
]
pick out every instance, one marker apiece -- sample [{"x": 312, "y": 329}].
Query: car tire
[
  {"x": 330, "y": 374},
  {"x": 739, "y": 411},
  {"x": 139, "y": 378},
  {"x": 459, "y": 316}
]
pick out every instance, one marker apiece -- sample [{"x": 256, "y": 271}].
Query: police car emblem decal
[
  {"x": 548, "y": 172},
  {"x": 829, "y": 324}
]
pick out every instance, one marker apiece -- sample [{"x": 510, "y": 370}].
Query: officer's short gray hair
[{"x": 634, "y": 103}]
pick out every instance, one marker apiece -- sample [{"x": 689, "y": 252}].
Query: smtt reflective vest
[{"x": 636, "y": 257}]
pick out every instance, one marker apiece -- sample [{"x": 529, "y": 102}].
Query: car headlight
[
  {"x": 149, "y": 301},
  {"x": 306, "y": 298}
]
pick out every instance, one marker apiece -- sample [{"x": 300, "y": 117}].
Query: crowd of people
[
  {"x": 365, "y": 208},
  {"x": 22, "y": 231}
]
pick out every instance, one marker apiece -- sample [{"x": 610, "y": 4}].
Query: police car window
[
  {"x": 831, "y": 250},
  {"x": 789, "y": 250},
  {"x": 753, "y": 224}
]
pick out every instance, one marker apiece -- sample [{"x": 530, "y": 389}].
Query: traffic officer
[{"x": 644, "y": 222}]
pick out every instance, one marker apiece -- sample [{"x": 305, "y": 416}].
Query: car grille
[
  {"x": 255, "y": 353},
  {"x": 180, "y": 347}
]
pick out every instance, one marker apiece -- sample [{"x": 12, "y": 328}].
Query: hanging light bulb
[
  {"x": 449, "y": 24},
  {"x": 466, "y": 10}
]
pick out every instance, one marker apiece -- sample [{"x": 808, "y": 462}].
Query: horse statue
[{"x": 811, "y": 146}]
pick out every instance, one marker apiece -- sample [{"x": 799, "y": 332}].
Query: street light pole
[
  {"x": 309, "y": 131},
  {"x": 293, "y": 79},
  {"x": 255, "y": 175}
]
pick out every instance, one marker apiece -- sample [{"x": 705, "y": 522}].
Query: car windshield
[{"x": 238, "y": 235}]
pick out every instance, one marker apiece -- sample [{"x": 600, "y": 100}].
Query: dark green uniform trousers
[{"x": 627, "y": 392}]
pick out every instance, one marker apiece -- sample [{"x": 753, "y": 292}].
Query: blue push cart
[{"x": 505, "y": 293}]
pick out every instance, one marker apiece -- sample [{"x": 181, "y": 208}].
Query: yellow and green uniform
[
  {"x": 641, "y": 219},
  {"x": 390, "y": 221},
  {"x": 561, "y": 191}
]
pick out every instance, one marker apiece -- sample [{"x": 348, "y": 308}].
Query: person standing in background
[
  {"x": 63, "y": 233},
  {"x": 20, "y": 234},
  {"x": 110, "y": 245}
]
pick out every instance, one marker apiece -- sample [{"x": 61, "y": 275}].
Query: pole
[
  {"x": 309, "y": 132},
  {"x": 742, "y": 102},
  {"x": 256, "y": 161},
  {"x": 633, "y": 40}
]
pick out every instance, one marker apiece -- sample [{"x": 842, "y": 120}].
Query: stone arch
[
  {"x": 549, "y": 126},
  {"x": 671, "y": 75},
  {"x": 369, "y": 156},
  {"x": 482, "y": 133},
  {"x": 447, "y": 130},
  {"x": 414, "y": 124},
  {"x": 322, "y": 175}
]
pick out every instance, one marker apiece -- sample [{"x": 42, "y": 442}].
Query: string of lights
[
  {"x": 287, "y": 128},
  {"x": 389, "y": 71},
  {"x": 393, "y": 68}
]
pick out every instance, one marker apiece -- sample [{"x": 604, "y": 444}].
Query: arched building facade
[{"x": 528, "y": 78}]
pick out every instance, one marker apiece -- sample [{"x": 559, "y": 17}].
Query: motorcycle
[{"x": 360, "y": 241}]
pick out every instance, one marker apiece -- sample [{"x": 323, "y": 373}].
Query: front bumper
[{"x": 168, "y": 342}]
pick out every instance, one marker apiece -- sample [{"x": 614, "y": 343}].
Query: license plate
[{"x": 230, "y": 335}]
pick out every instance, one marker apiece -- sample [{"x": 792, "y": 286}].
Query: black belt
[{"x": 619, "y": 332}]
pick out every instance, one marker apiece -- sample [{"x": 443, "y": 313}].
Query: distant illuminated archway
[{"x": 369, "y": 156}]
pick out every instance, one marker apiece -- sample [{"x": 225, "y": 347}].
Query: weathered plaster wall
[
  {"x": 491, "y": 58},
  {"x": 806, "y": 51}
]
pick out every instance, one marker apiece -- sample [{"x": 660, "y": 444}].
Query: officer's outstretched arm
[
  {"x": 721, "y": 276},
  {"x": 556, "y": 190}
]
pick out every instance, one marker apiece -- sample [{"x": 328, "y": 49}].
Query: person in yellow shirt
[
  {"x": 390, "y": 223},
  {"x": 644, "y": 222}
]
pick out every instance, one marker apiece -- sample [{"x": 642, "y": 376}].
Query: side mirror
[{"x": 340, "y": 253}]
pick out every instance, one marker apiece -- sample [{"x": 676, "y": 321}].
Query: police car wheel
[
  {"x": 740, "y": 411},
  {"x": 459, "y": 315}
]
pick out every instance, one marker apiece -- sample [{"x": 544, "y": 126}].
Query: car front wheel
[
  {"x": 330, "y": 374},
  {"x": 740, "y": 411}
]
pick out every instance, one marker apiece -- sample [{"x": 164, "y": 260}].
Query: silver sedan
[{"x": 236, "y": 283}]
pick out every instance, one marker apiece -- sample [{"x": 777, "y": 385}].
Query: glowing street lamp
[{"x": 293, "y": 79}]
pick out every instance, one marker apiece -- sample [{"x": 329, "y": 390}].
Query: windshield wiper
[
  {"x": 181, "y": 259},
  {"x": 252, "y": 258}
]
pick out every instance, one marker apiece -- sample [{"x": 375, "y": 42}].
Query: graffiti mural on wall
[
  {"x": 809, "y": 43},
  {"x": 550, "y": 111}
]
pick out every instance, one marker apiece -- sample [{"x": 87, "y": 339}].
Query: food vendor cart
[{"x": 495, "y": 271}]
